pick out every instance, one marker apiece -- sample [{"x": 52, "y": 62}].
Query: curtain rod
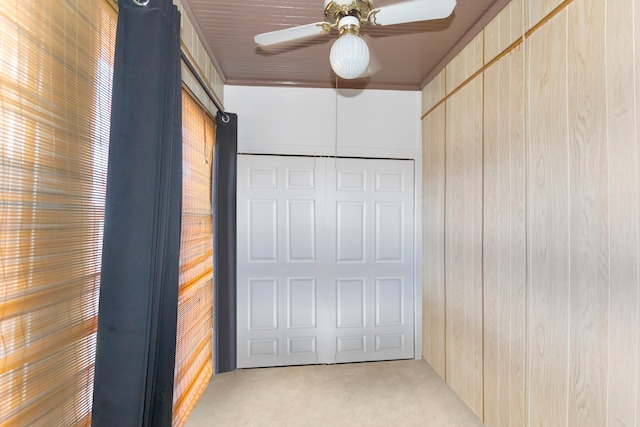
[{"x": 194, "y": 72}]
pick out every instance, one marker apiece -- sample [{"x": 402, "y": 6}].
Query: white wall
[
  {"x": 313, "y": 121},
  {"x": 326, "y": 122}
]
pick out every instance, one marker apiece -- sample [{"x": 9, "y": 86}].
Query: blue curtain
[
  {"x": 137, "y": 317},
  {"x": 224, "y": 223}
]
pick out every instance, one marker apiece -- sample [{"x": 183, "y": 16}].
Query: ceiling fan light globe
[{"x": 349, "y": 56}]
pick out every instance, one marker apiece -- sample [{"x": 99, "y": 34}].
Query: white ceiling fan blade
[
  {"x": 412, "y": 11},
  {"x": 292, "y": 34}
]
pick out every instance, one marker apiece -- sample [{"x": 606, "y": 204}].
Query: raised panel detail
[
  {"x": 351, "y": 344},
  {"x": 389, "y": 302},
  {"x": 262, "y": 348},
  {"x": 390, "y": 181},
  {"x": 389, "y": 237},
  {"x": 301, "y": 346},
  {"x": 300, "y": 179},
  {"x": 350, "y": 235},
  {"x": 263, "y": 229},
  {"x": 302, "y": 303},
  {"x": 350, "y": 303},
  {"x": 389, "y": 342},
  {"x": 301, "y": 227},
  {"x": 263, "y": 304},
  {"x": 351, "y": 181},
  {"x": 262, "y": 178}
]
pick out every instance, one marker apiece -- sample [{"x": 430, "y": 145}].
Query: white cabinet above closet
[{"x": 316, "y": 121}]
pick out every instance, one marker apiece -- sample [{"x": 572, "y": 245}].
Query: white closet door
[
  {"x": 279, "y": 203},
  {"x": 370, "y": 218},
  {"x": 325, "y": 260}
]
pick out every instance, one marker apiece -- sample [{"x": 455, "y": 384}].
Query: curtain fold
[
  {"x": 224, "y": 201},
  {"x": 136, "y": 336}
]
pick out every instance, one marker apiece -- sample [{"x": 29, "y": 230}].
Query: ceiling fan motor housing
[{"x": 334, "y": 10}]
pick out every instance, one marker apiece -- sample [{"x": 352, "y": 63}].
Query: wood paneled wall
[{"x": 531, "y": 192}]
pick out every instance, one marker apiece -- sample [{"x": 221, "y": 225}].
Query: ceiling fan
[{"x": 349, "y": 56}]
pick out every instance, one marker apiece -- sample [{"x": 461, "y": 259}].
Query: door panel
[
  {"x": 350, "y": 231},
  {"x": 351, "y": 303},
  {"x": 301, "y": 346},
  {"x": 383, "y": 189},
  {"x": 263, "y": 304},
  {"x": 302, "y": 303},
  {"x": 263, "y": 229},
  {"x": 279, "y": 203},
  {"x": 301, "y": 230},
  {"x": 325, "y": 260},
  {"x": 389, "y": 225},
  {"x": 389, "y": 302}
]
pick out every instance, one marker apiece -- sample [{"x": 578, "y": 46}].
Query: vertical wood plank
[
  {"x": 433, "y": 92},
  {"x": 539, "y": 9},
  {"x": 589, "y": 214},
  {"x": 455, "y": 71},
  {"x": 467, "y": 62},
  {"x": 433, "y": 286},
  {"x": 636, "y": 55},
  {"x": 504, "y": 244},
  {"x": 475, "y": 55},
  {"x": 548, "y": 283},
  {"x": 502, "y": 268},
  {"x": 463, "y": 244},
  {"x": 516, "y": 22},
  {"x": 505, "y": 27},
  {"x": 518, "y": 244},
  {"x": 493, "y": 174},
  {"x": 492, "y": 35},
  {"x": 512, "y": 248},
  {"x": 503, "y": 30},
  {"x": 622, "y": 392}
]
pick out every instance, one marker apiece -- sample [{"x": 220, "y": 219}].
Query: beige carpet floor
[{"x": 395, "y": 393}]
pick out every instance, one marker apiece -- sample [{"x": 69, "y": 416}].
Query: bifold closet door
[
  {"x": 370, "y": 227},
  {"x": 280, "y": 201},
  {"x": 325, "y": 260}
]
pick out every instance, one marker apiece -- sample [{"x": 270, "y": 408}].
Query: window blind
[
  {"x": 56, "y": 61},
  {"x": 194, "y": 346}
]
